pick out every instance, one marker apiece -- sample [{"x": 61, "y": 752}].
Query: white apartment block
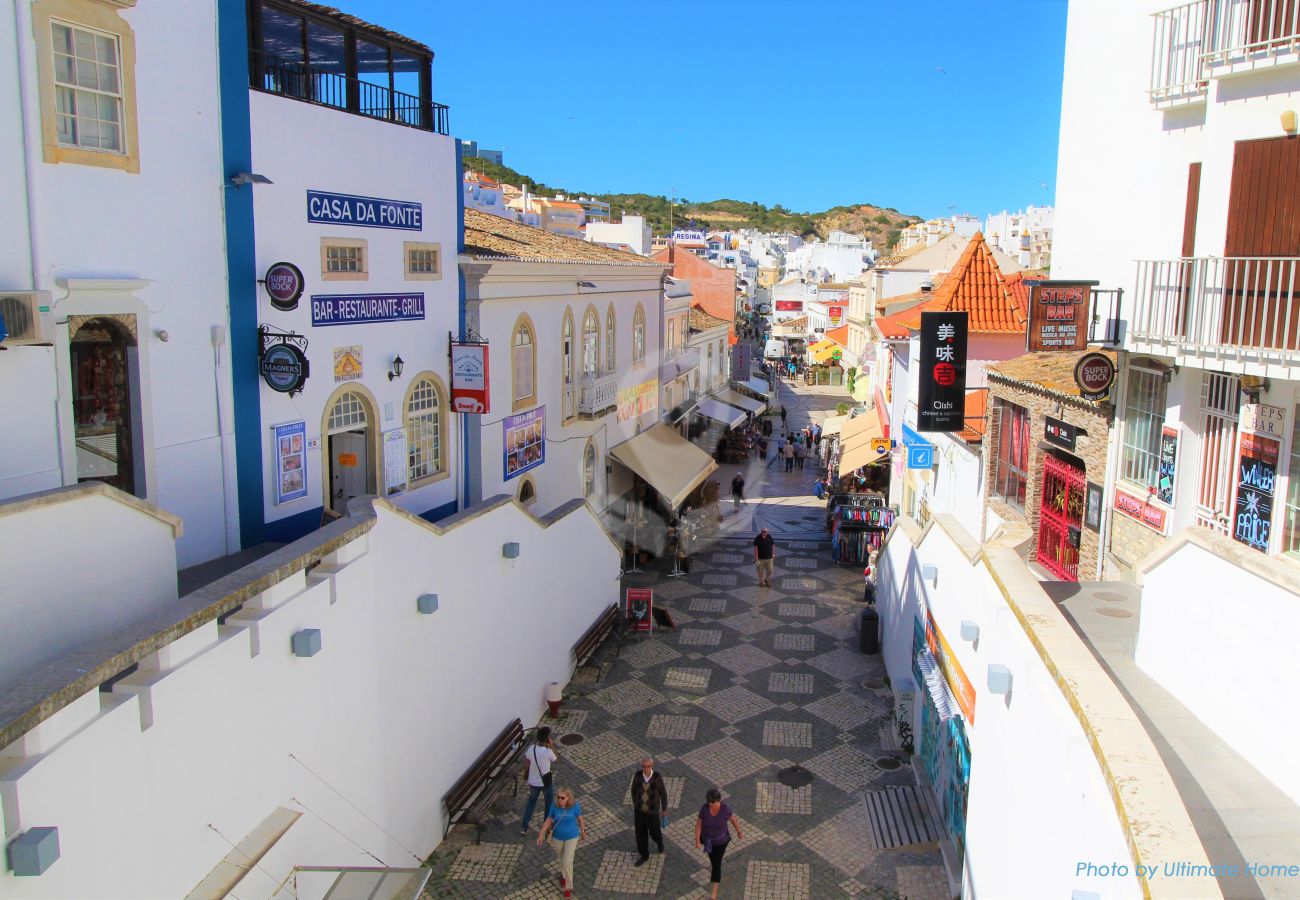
[
  {"x": 923, "y": 234},
  {"x": 631, "y": 232},
  {"x": 1024, "y": 235}
]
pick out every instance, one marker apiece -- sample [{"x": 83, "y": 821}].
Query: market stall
[{"x": 859, "y": 523}]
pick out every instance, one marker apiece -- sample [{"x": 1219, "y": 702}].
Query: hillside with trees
[{"x": 881, "y": 225}]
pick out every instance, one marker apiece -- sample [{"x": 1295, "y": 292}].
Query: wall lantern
[
  {"x": 34, "y": 851},
  {"x": 242, "y": 178},
  {"x": 970, "y": 630},
  {"x": 510, "y": 550},
  {"x": 586, "y": 284},
  {"x": 398, "y": 366},
  {"x": 427, "y": 604},
  {"x": 1289, "y": 122},
  {"x": 930, "y": 573},
  {"x": 999, "y": 679},
  {"x": 306, "y": 643}
]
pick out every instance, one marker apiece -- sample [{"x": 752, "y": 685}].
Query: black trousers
[
  {"x": 715, "y": 861},
  {"x": 647, "y": 826}
]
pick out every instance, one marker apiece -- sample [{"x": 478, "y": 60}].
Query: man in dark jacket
[{"x": 649, "y": 800}]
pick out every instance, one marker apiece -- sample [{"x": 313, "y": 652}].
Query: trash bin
[{"x": 868, "y": 628}]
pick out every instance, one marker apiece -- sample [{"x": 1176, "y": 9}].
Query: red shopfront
[{"x": 1060, "y": 517}]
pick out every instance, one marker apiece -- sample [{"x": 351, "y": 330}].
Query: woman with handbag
[
  {"x": 564, "y": 822},
  {"x": 712, "y": 835},
  {"x": 538, "y": 760}
]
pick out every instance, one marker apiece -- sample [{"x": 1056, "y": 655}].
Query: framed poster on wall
[
  {"x": 290, "y": 455},
  {"x": 524, "y": 442},
  {"x": 395, "y": 461}
]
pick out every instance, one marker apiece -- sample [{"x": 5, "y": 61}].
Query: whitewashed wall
[
  {"x": 203, "y": 734},
  {"x": 163, "y": 225},
  {"x": 1225, "y": 652}
]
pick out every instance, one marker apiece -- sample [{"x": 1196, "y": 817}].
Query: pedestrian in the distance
[
  {"x": 789, "y": 457},
  {"x": 764, "y": 556},
  {"x": 737, "y": 490},
  {"x": 649, "y": 802},
  {"x": 564, "y": 822},
  {"x": 538, "y": 760},
  {"x": 782, "y": 415},
  {"x": 799, "y": 453},
  {"x": 712, "y": 835}
]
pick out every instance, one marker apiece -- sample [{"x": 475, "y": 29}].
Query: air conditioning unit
[{"x": 27, "y": 317}]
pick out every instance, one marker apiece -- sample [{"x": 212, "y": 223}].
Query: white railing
[
  {"x": 598, "y": 394},
  {"x": 1250, "y": 31},
  {"x": 1219, "y": 304},
  {"x": 1177, "y": 44}
]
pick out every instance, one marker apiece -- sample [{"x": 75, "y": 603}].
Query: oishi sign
[
  {"x": 942, "y": 404},
  {"x": 1058, "y": 315}
]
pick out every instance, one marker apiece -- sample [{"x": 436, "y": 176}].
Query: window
[
  {"x": 1011, "y": 465},
  {"x": 671, "y": 350},
  {"x": 523, "y": 364},
  {"x": 590, "y": 342},
  {"x": 527, "y": 492},
  {"x": 1291, "y": 511},
  {"x": 610, "y": 357},
  {"x": 424, "y": 430},
  {"x": 343, "y": 259},
  {"x": 1144, "y": 414},
  {"x": 86, "y": 67},
  {"x": 638, "y": 335},
  {"x": 566, "y": 365},
  {"x": 423, "y": 261},
  {"x": 589, "y": 471}
]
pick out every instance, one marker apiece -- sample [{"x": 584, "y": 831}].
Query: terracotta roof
[
  {"x": 492, "y": 237},
  {"x": 343, "y": 18},
  {"x": 799, "y": 322},
  {"x": 977, "y": 403},
  {"x": 1051, "y": 372},
  {"x": 839, "y": 335},
  {"x": 566, "y": 204},
  {"x": 1019, "y": 289},
  {"x": 702, "y": 321},
  {"x": 976, "y": 286},
  {"x": 891, "y": 328}
]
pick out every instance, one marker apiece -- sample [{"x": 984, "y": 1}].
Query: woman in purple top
[{"x": 711, "y": 834}]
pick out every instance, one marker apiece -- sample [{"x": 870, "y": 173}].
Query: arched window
[
  {"x": 425, "y": 429},
  {"x": 638, "y": 334},
  {"x": 527, "y": 492},
  {"x": 589, "y": 471},
  {"x": 610, "y": 356},
  {"x": 523, "y": 364},
  {"x": 566, "y": 365},
  {"x": 590, "y": 342}
]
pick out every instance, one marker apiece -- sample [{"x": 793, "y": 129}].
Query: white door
[{"x": 348, "y": 467}]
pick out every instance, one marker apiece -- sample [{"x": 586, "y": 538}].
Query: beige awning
[
  {"x": 832, "y": 426},
  {"x": 858, "y": 451},
  {"x": 735, "y": 398},
  {"x": 851, "y": 431},
  {"x": 671, "y": 465}
]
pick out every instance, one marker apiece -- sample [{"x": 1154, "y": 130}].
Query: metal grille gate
[{"x": 1060, "y": 518}]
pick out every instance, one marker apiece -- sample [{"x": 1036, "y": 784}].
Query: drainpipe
[
  {"x": 1113, "y": 454},
  {"x": 228, "y": 476}
]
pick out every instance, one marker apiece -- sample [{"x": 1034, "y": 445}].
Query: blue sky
[{"x": 921, "y": 105}]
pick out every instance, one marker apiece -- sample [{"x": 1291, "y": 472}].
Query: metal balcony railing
[
  {"x": 597, "y": 394},
  {"x": 1217, "y": 304},
  {"x": 1250, "y": 31},
  {"x": 304, "y": 82},
  {"x": 1177, "y": 43}
]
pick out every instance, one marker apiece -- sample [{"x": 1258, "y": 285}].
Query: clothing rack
[{"x": 858, "y": 531}]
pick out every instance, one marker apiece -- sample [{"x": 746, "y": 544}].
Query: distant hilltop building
[
  {"x": 927, "y": 233},
  {"x": 472, "y": 149},
  {"x": 1025, "y": 235}
]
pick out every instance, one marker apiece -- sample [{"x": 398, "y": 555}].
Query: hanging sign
[
  {"x": 282, "y": 360},
  {"x": 362, "y": 309},
  {"x": 284, "y": 283},
  {"x": 1092, "y": 507},
  {"x": 290, "y": 461},
  {"x": 524, "y": 439},
  {"x": 836, "y": 314},
  {"x": 396, "y": 462},
  {"x": 640, "y": 609},
  {"x": 469, "y": 378},
  {"x": 364, "y": 212},
  {"x": 942, "y": 404},
  {"x": 1062, "y": 434},
  {"x": 1094, "y": 373},
  {"x": 1256, "y": 479},
  {"x": 347, "y": 363},
  {"x": 1168, "y": 463},
  {"x": 1058, "y": 315},
  {"x": 789, "y": 306}
]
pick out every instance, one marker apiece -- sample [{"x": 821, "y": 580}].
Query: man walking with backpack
[{"x": 538, "y": 760}]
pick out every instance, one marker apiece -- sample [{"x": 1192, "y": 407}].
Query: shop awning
[
  {"x": 832, "y": 426},
  {"x": 668, "y": 462},
  {"x": 758, "y": 386},
  {"x": 735, "y": 398},
  {"x": 853, "y": 430},
  {"x": 819, "y": 345},
  {"x": 721, "y": 412},
  {"x": 856, "y": 449},
  {"x": 825, "y": 354}
]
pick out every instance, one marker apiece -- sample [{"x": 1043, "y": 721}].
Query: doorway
[
  {"x": 1060, "y": 517},
  {"x": 350, "y": 472},
  {"x": 106, "y": 403}
]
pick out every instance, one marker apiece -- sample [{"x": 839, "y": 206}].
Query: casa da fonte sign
[
  {"x": 942, "y": 376},
  {"x": 1058, "y": 315},
  {"x": 364, "y": 212}
]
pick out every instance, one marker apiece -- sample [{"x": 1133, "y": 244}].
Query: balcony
[
  {"x": 1233, "y": 312},
  {"x": 597, "y": 394},
  {"x": 1177, "y": 44},
  {"x": 312, "y": 84}
]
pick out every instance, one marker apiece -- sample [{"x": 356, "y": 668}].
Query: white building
[
  {"x": 573, "y": 336},
  {"x": 485, "y": 194},
  {"x": 708, "y": 338},
  {"x": 1024, "y": 235},
  {"x": 1189, "y": 119},
  {"x": 118, "y": 367},
  {"x": 924, "y": 234},
  {"x": 631, "y": 232},
  {"x": 679, "y": 365},
  {"x": 840, "y": 257},
  {"x": 369, "y": 217}
]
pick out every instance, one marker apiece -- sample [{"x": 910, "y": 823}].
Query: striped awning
[{"x": 940, "y": 695}]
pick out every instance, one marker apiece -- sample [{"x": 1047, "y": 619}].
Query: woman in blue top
[
  {"x": 711, "y": 834},
  {"x": 564, "y": 821}
]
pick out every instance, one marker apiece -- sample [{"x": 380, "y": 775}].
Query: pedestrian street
[{"x": 760, "y": 692}]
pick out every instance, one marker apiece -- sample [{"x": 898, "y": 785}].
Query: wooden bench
[
  {"x": 470, "y": 799},
  {"x": 598, "y": 639}
]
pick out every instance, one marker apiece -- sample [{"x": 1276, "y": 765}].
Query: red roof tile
[
  {"x": 977, "y": 402},
  {"x": 893, "y": 328},
  {"x": 976, "y": 286},
  {"x": 839, "y": 335}
]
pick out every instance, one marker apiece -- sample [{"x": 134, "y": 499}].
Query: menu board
[
  {"x": 396, "y": 463},
  {"x": 1256, "y": 478},
  {"x": 1168, "y": 463}
]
